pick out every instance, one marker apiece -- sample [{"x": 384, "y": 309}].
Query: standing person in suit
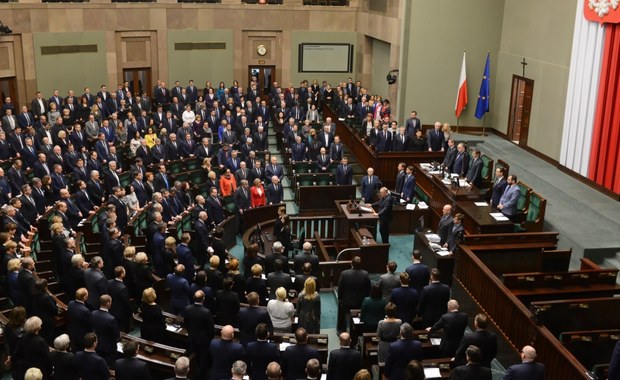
[
  {"x": 252, "y": 316},
  {"x": 413, "y": 124},
  {"x": 121, "y": 308},
  {"x": 531, "y": 370},
  {"x": 405, "y": 298},
  {"x": 383, "y": 140},
  {"x": 224, "y": 352},
  {"x": 499, "y": 186},
  {"x": 296, "y": 356},
  {"x": 96, "y": 282},
  {"x": 408, "y": 191},
  {"x": 453, "y": 325},
  {"x": 508, "y": 202},
  {"x": 107, "y": 330},
  {"x": 353, "y": 287},
  {"x": 274, "y": 169},
  {"x": 474, "y": 174},
  {"x": 130, "y": 367},
  {"x": 322, "y": 161},
  {"x": 31, "y": 350},
  {"x": 445, "y": 224},
  {"x": 260, "y": 353},
  {"x": 481, "y": 338},
  {"x": 91, "y": 366},
  {"x": 279, "y": 278},
  {"x": 385, "y": 213},
  {"x": 401, "y": 142},
  {"x": 307, "y": 256},
  {"x": 79, "y": 320},
  {"x": 389, "y": 280},
  {"x": 344, "y": 172},
  {"x": 433, "y": 300},
  {"x": 345, "y": 361},
  {"x": 179, "y": 290},
  {"x": 419, "y": 274},
  {"x": 456, "y": 233},
  {"x": 26, "y": 283},
  {"x": 448, "y": 160},
  {"x": 370, "y": 186},
  {"x": 472, "y": 370},
  {"x": 214, "y": 207},
  {"x": 435, "y": 138},
  {"x": 461, "y": 161},
  {"x": 274, "y": 191},
  {"x": 199, "y": 323},
  {"x": 181, "y": 368},
  {"x": 401, "y": 353}
]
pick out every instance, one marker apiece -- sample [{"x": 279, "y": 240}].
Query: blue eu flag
[{"x": 485, "y": 91}]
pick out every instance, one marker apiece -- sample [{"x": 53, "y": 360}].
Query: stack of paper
[
  {"x": 432, "y": 373},
  {"x": 498, "y": 216},
  {"x": 422, "y": 205},
  {"x": 481, "y": 204},
  {"x": 433, "y": 238},
  {"x": 283, "y": 346},
  {"x": 435, "y": 341}
]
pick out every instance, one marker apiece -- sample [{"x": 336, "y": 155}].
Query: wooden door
[{"x": 520, "y": 109}]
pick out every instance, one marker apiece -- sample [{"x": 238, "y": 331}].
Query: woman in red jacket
[{"x": 257, "y": 194}]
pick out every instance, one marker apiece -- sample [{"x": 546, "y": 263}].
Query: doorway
[
  {"x": 8, "y": 89},
  {"x": 520, "y": 109},
  {"x": 139, "y": 80},
  {"x": 265, "y": 75}
]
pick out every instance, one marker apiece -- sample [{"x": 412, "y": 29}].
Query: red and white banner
[
  {"x": 602, "y": 11},
  {"x": 461, "y": 94}
]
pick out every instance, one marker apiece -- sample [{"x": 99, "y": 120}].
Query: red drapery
[{"x": 604, "y": 166}]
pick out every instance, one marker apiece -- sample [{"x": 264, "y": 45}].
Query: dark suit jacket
[
  {"x": 401, "y": 353},
  {"x": 536, "y": 371},
  {"x": 353, "y": 287},
  {"x": 259, "y": 355},
  {"x": 274, "y": 196},
  {"x": 249, "y": 318},
  {"x": 485, "y": 340},
  {"x": 461, "y": 164},
  {"x": 448, "y": 160},
  {"x": 444, "y": 227},
  {"x": 385, "y": 209},
  {"x": 121, "y": 306},
  {"x": 433, "y": 302},
  {"x": 303, "y": 258},
  {"x": 406, "y": 301},
  {"x": 91, "y": 366},
  {"x": 498, "y": 191},
  {"x": 131, "y": 369},
  {"x": 453, "y": 325},
  {"x": 471, "y": 372},
  {"x": 107, "y": 330},
  {"x": 398, "y": 144},
  {"x": 29, "y": 210},
  {"x": 215, "y": 211},
  {"x": 369, "y": 190},
  {"x": 32, "y": 351},
  {"x": 97, "y": 285},
  {"x": 344, "y": 176},
  {"x": 270, "y": 171},
  {"x": 343, "y": 363},
  {"x": 224, "y": 353},
  {"x": 435, "y": 139},
  {"x": 26, "y": 282},
  {"x": 172, "y": 152},
  {"x": 294, "y": 360},
  {"x": 279, "y": 279},
  {"x": 79, "y": 324},
  {"x": 474, "y": 174},
  {"x": 199, "y": 323},
  {"x": 419, "y": 276}
]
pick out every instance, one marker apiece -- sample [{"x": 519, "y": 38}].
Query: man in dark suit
[
  {"x": 88, "y": 363},
  {"x": 528, "y": 369},
  {"x": 384, "y": 212},
  {"x": 250, "y": 317},
  {"x": 401, "y": 141},
  {"x": 274, "y": 169},
  {"x": 353, "y": 287},
  {"x": 419, "y": 274},
  {"x": 307, "y": 256},
  {"x": 121, "y": 308},
  {"x": 370, "y": 186},
  {"x": 242, "y": 196},
  {"x": 481, "y": 338},
  {"x": 433, "y": 300},
  {"x": 448, "y": 160},
  {"x": 456, "y": 233},
  {"x": 472, "y": 370},
  {"x": 199, "y": 323},
  {"x": 96, "y": 282},
  {"x": 298, "y": 150},
  {"x": 173, "y": 149},
  {"x": 224, "y": 352},
  {"x": 130, "y": 367},
  {"x": 383, "y": 140},
  {"x": 107, "y": 330},
  {"x": 16, "y": 177},
  {"x": 322, "y": 161},
  {"x": 279, "y": 278},
  {"x": 29, "y": 208},
  {"x": 445, "y": 224},
  {"x": 260, "y": 353},
  {"x": 344, "y": 172},
  {"x": 95, "y": 188},
  {"x": 121, "y": 208},
  {"x": 499, "y": 186},
  {"x": 461, "y": 161},
  {"x": 274, "y": 191},
  {"x": 435, "y": 138},
  {"x": 26, "y": 283},
  {"x": 453, "y": 325},
  {"x": 344, "y": 362},
  {"x": 79, "y": 320},
  {"x": 295, "y": 357},
  {"x": 413, "y": 124},
  {"x": 214, "y": 207},
  {"x": 402, "y": 352},
  {"x": 336, "y": 150},
  {"x": 474, "y": 174},
  {"x": 25, "y": 119},
  {"x": 408, "y": 190},
  {"x": 405, "y": 298}
]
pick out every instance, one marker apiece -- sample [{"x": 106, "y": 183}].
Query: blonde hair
[
  {"x": 256, "y": 270},
  {"x": 141, "y": 258},
  {"x": 446, "y": 127},
  {"x": 57, "y": 227},
  {"x": 281, "y": 293},
  {"x": 233, "y": 265},
  {"x": 129, "y": 251},
  {"x": 170, "y": 242},
  {"x": 149, "y": 295},
  {"x": 13, "y": 265},
  {"x": 310, "y": 288}
]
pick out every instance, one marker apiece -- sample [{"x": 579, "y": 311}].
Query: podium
[{"x": 351, "y": 219}]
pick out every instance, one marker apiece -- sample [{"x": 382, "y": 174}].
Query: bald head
[
  {"x": 227, "y": 332},
  {"x": 528, "y": 353},
  {"x": 273, "y": 371},
  {"x": 453, "y": 305},
  {"x": 345, "y": 339}
]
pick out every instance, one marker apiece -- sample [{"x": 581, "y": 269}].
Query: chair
[
  {"x": 192, "y": 164},
  {"x": 301, "y": 167},
  {"x": 324, "y": 179},
  {"x": 298, "y": 244},
  {"x": 304, "y": 179}
]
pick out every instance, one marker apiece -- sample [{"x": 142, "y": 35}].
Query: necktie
[
  {"x": 369, "y": 179},
  {"x": 12, "y": 122},
  {"x": 27, "y": 118}
]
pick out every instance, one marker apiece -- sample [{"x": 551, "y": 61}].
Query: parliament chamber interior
[{"x": 288, "y": 189}]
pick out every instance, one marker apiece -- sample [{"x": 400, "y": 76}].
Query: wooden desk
[
  {"x": 353, "y": 219},
  {"x": 160, "y": 359},
  {"x": 314, "y": 199},
  {"x": 374, "y": 255},
  {"x": 479, "y": 221},
  {"x": 430, "y": 258},
  {"x": 407, "y": 221}
]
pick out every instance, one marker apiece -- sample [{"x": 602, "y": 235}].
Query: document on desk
[
  {"x": 172, "y": 328},
  {"x": 422, "y": 205},
  {"x": 426, "y": 165},
  {"x": 435, "y": 341},
  {"x": 432, "y": 373},
  {"x": 443, "y": 253},
  {"x": 498, "y": 216},
  {"x": 463, "y": 183},
  {"x": 366, "y": 209},
  {"x": 433, "y": 238},
  {"x": 283, "y": 346},
  {"x": 481, "y": 204},
  {"x": 356, "y": 320}
]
